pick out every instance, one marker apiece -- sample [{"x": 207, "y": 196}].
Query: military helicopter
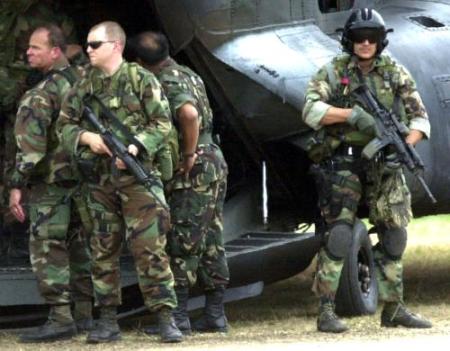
[{"x": 256, "y": 58}]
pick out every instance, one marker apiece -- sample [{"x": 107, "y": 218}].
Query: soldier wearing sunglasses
[
  {"x": 117, "y": 202},
  {"x": 341, "y": 129}
]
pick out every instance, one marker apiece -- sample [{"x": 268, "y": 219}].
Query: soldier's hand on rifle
[
  {"x": 392, "y": 163},
  {"x": 133, "y": 150},
  {"x": 414, "y": 136},
  {"x": 95, "y": 143},
  {"x": 363, "y": 121},
  {"x": 15, "y": 196}
]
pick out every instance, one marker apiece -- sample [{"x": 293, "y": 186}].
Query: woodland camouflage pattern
[
  {"x": 40, "y": 158},
  {"x": 117, "y": 203},
  {"x": 58, "y": 247},
  {"x": 385, "y": 190},
  {"x": 59, "y": 252},
  {"x": 18, "y": 18},
  {"x": 196, "y": 239}
]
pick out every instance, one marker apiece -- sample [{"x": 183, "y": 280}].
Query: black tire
[{"x": 358, "y": 289}]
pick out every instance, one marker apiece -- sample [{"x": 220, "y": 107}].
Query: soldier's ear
[{"x": 56, "y": 52}]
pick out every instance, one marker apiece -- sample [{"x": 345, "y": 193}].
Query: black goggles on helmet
[{"x": 358, "y": 36}]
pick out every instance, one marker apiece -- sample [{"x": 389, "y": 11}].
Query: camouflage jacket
[
  {"x": 134, "y": 95},
  {"x": 18, "y": 18},
  {"x": 182, "y": 86},
  {"x": 333, "y": 85},
  {"x": 39, "y": 157}
]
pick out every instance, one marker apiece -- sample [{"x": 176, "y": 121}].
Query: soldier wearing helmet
[{"x": 345, "y": 180}]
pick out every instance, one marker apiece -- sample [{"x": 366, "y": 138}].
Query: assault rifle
[
  {"x": 391, "y": 132},
  {"x": 120, "y": 151}
]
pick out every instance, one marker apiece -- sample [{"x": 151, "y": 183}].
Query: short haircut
[
  {"x": 56, "y": 37},
  {"x": 113, "y": 31},
  {"x": 151, "y": 47}
]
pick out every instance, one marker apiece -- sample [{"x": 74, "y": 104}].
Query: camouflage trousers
[
  {"x": 388, "y": 198},
  {"x": 121, "y": 207},
  {"x": 389, "y": 276},
  {"x": 195, "y": 241},
  {"x": 59, "y": 252}
]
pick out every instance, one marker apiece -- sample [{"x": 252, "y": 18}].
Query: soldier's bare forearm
[{"x": 335, "y": 115}]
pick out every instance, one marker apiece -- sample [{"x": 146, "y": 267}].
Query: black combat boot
[
  {"x": 106, "y": 329},
  {"x": 395, "y": 314},
  {"x": 328, "y": 321},
  {"x": 213, "y": 319},
  {"x": 59, "y": 326},
  {"x": 179, "y": 313},
  {"x": 82, "y": 314},
  {"x": 168, "y": 330}
]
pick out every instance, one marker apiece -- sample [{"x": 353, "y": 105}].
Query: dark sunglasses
[
  {"x": 361, "y": 35},
  {"x": 96, "y": 44}
]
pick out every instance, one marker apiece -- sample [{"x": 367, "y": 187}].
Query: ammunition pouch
[
  {"x": 318, "y": 144},
  {"x": 88, "y": 170},
  {"x": 329, "y": 184},
  {"x": 167, "y": 157},
  {"x": 322, "y": 144},
  {"x": 164, "y": 162}
]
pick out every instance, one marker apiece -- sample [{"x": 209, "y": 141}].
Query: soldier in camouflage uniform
[
  {"x": 117, "y": 202},
  {"x": 342, "y": 128},
  {"x": 197, "y": 192},
  {"x": 18, "y": 18},
  {"x": 58, "y": 248}
]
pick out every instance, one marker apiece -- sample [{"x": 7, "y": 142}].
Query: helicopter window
[
  {"x": 327, "y": 6},
  {"x": 427, "y": 22}
]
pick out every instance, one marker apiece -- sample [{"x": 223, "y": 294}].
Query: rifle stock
[{"x": 392, "y": 132}]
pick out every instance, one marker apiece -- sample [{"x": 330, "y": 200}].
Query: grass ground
[{"x": 284, "y": 315}]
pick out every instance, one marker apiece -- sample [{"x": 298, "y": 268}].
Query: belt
[
  {"x": 348, "y": 150},
  {"x": 356, "y": 166}
]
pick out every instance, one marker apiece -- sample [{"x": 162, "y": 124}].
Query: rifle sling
[{"x": 106, "y": 112}]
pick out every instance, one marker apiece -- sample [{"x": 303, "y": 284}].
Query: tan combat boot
[{"x": 328, "y": 321}]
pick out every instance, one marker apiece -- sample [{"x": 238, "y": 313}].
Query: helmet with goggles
[{"x": 364, "y": 24}]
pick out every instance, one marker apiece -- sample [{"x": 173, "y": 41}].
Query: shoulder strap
[
  {"x": 331, "y": 75},
  {"x": 133, "y": 74},
  {"x": 66, "y": 73}
]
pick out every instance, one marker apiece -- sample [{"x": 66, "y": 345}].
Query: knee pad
[
  {"x": 394, "y": 242},
  {"x": 339, "y": 241}
]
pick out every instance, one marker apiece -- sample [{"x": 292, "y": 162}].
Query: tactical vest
[
  {"x": 166, "y": 158},
  {"x": 322, "y": 143}
]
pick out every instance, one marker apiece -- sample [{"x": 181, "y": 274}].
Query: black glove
[{"x": 363, "y": 121}]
